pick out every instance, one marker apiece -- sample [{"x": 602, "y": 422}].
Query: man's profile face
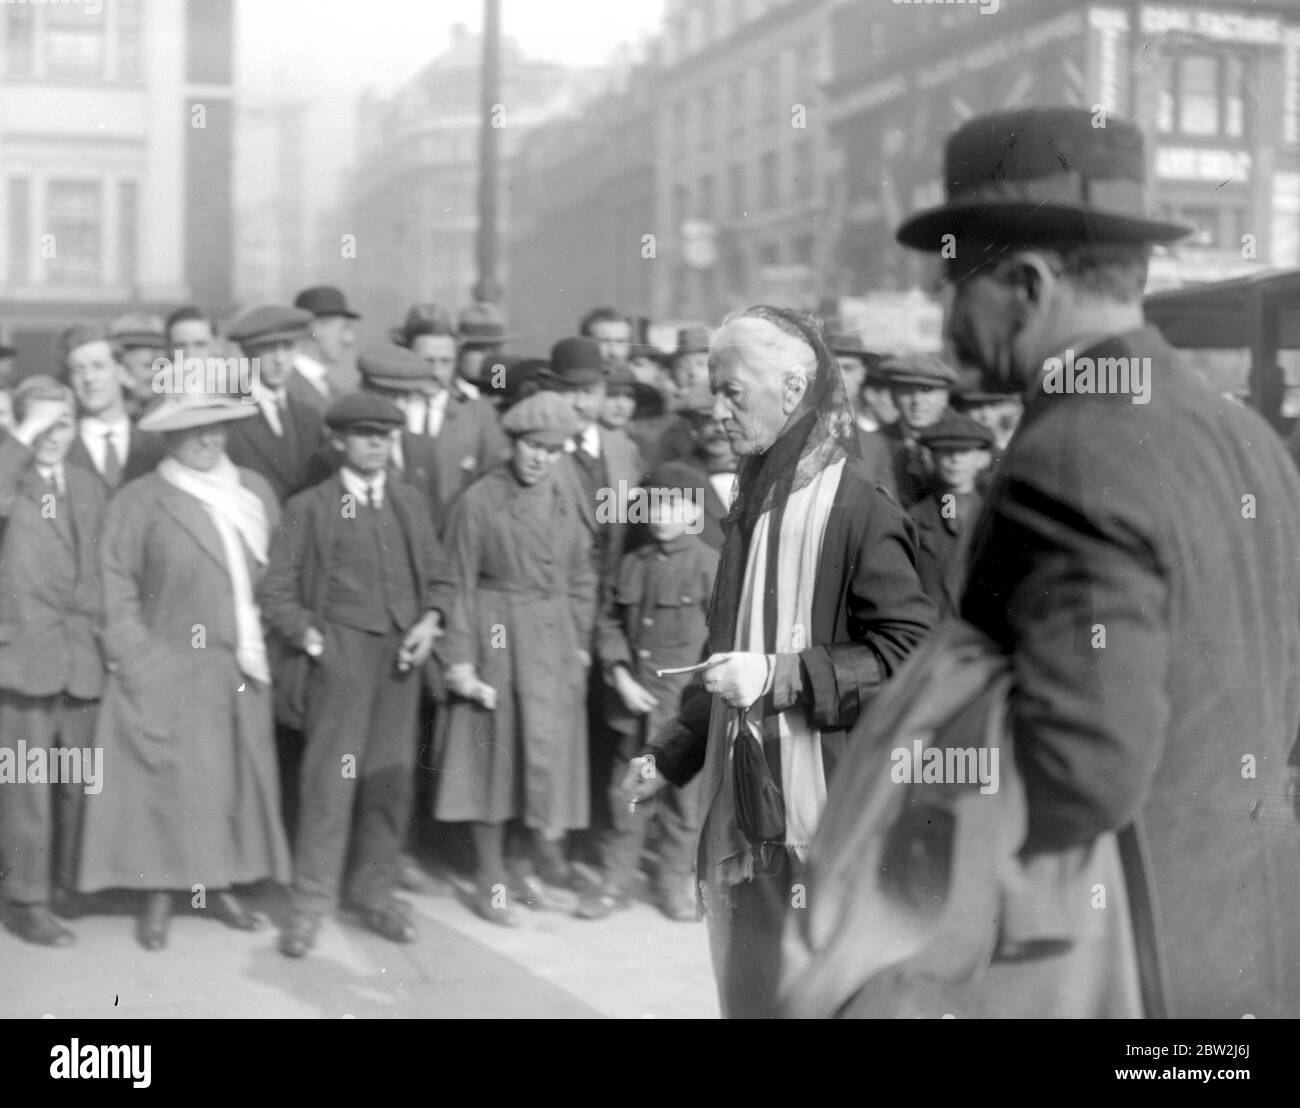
[
  {"x": 139, "y": 362},
  {"x": 334, "y": 335},
  {"x": 985, "y": 320},
  {"x": 51, "y": 445},
  {"x": 747, "y": 401},
  {"x": 274, "y": 359},
  {"x": 440, "y": 352},
  {"x": 97, "y": 378},
  {"x": 587, "y": 401},
  {"x": 614, "y": 337}
]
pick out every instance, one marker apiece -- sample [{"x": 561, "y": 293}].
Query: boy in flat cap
[
  {"x": 919, "y": 385},
  {"x": 51, "y": 669},
  {"x": 655, "y": 621},
  {"x": 520, "y": 606},
  {"x": 944, "y": 519},
  {"x": 280, "y": 443},
  {"x": 350, "y": 588}
]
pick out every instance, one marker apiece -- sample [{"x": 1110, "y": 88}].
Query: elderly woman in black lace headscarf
[{"x": 817, "y": 602}]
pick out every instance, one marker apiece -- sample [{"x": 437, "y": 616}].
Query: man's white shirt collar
[
  {"x": 362, "y": 488},
  {"x": 312, "y": 372}
]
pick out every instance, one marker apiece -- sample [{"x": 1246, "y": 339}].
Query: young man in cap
[
  {"x": 482, "y": 332},
  {"x": 655, "y": 620},
  {"x": 1136, "y": 561},
  {"x": 192, "y": 333},
  {"x": 322, "y": 363},
  {"x": 51, "y": 670},
  {"x": 520, "y": 606},
  {"x": 141, "y": 339},
  {"x": 919, "y": 385},
  {"x": 280, "y": 443},
  {"x": 612, "y": 331},
  {"x": 107, "y": 443},
  {"x": 945, "y": 519},
  {"x": 443, "y": 406},
  {"x": 350, "y": 587}
]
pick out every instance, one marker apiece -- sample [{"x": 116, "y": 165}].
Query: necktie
[
  {"x": 433, "y": 423},
  {"x": 372, "y": 496},
  {"x": 112, "y": 464},
  {"x": 271, "y": 409}
]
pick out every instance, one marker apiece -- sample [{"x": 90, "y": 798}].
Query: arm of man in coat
[
  {"x": 1070, "y": 531},
  {"x": 280, "y": 592}
]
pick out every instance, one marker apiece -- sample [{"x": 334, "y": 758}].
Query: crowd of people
[{"x": 615, "y": 612}]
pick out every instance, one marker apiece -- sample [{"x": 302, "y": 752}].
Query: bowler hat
[
  {"x": 918, "y": 369},
  {"x": 393, "y": 367},
  {"x": 363, "y": 411},
  {"x": 270, "y": 323},
  {"x": 956, "y": 432},
  {"x": 521, "y": 379},
  {"x": 482, "y": 324},
  {"x": 1042, "y": 175},
  {"x": 423, "y": 319},
  {"x": 324, "y": 300},
  {"x": 693, "y": 339},
  {"x": 575, "y": 362},
  {"x": 138, "y": 329},
  {"x": 545, "y": 417},
  {"x": 181, "y": 411}
]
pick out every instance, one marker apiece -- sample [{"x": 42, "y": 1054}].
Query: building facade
[
  {"x": 116, "y": 154},
  {"x": 1214, "y": 85},
  {"x": 743, "y": 186},
  {"x": 412, "y": 197}
]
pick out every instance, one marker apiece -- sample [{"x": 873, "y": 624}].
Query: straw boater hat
[{"x": 180, "y": 413}]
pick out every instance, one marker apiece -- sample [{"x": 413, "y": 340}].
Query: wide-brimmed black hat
[{"x": 1040, "y": 175}]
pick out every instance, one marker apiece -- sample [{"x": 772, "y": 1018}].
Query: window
[
  {"x": 20, "y": 40},
  {"x": 736, "y": 187},
  {"x": 126, "y": 232},
  {"x": 1204, "y": 95},
  {"x": 769, "y": 185},
  {"x": 128, "y": 39},
  {"x": 18, "y": 231},
  {"x": 75, "y": 218},
  {"x": 74, "y": 42}
]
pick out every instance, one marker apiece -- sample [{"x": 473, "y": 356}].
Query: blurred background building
[{"x": 116, "y": 142}]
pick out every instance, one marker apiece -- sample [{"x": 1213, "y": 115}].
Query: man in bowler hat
[{"x": 1136, "y": 559}]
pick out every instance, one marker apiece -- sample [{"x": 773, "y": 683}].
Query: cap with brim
[
  {"x": 482, "y": 324},
  {"x": 956, "y": 432},
  {"x": 697, "y": 402},
  {"x": 544, "y": 417},
  {"x": 677, "y": 476},
  {"x": 919, "y": 369},
  {"x": 269, "y": 324},
  {"x": 973, "y": 398},
  {"x": 138, "y": 329},
  {"x": 692, "y": 340},
  {"x": 389, "y": 366},
  {"x": 1041, "y": 175},
  {"x": 180, "y": 413},
  {"x": 363, "y": 412}
]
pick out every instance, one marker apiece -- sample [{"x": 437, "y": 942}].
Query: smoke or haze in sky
[{"x": 319, "y": 45}]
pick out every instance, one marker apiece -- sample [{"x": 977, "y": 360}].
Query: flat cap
[
  {"x": 482, "y": 324},
  {"x": 393, "y": 367},
  {"x": 138, "y": 329},
  {"x": 677, "y": 476},
  {"x": 956, "y": 432},
  {"x": 363, "y": 411},
  {"x": 268, "y": 324},
  {"x": 919, "y": 369},
  {"x": 423, "y": 319},
  {"x": 544, "y": 416}
]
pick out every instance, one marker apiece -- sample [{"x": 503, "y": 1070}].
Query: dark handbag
[{"x": 760, "y": 808}]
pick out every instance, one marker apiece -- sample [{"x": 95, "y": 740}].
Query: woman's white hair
[{"x": 767, "y": 346}]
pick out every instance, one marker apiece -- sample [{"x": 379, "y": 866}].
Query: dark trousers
[
  {"x": 677, "y": 812},
  {"x": 40, "y": 823},
  {"x": 745, "y": 936},
  {"x": 356, "y": 770}
]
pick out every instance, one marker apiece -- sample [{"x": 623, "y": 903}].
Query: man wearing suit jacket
[
  {"x": 1137, "y": 561},
  {"x": 443, "y": 406},
  {"x": 51, "y": 671},
  {"x": 106, "y": 444},
  {"x": 280, "y": 443}
]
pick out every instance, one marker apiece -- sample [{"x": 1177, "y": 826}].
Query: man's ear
[{"x": 1032, "y": 280}]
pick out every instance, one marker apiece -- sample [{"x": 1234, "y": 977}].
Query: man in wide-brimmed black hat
[{"x": 1136, "y": 560}]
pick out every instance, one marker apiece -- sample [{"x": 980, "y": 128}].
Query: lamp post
[{"x": 487, "y": 288}]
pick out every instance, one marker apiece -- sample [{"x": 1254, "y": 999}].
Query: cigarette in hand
[{"x": 683, "y": 669}]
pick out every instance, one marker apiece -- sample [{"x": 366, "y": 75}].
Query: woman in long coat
[
  {"x": 190, "y": 796},
  {"x": 518, "y": 613}
]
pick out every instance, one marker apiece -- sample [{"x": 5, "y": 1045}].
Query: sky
[{"x": 314, "y": 46}]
